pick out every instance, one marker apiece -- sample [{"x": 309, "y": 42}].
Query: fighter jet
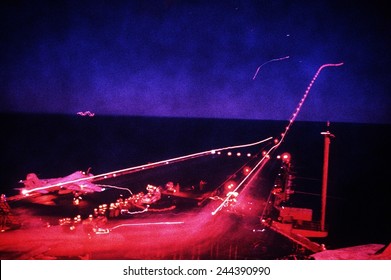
[{"x": 79, "y": 182}]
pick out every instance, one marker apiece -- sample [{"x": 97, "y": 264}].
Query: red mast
[{"x": 327, "y": 137}]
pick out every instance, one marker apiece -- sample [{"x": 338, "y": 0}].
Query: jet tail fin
[{"x": 32, "y": 181}]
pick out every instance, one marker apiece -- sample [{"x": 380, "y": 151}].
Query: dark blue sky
[{"x": 196, "y": 59}]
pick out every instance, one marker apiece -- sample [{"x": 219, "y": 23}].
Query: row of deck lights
[{"x": 238, "y": 154}]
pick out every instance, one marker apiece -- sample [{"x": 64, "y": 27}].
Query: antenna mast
[{"x": 327, "y": 137}]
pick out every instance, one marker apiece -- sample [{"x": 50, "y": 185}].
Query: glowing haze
[{"x": 213, "y": 59}]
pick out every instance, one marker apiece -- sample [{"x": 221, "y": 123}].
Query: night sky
[{"x": 197, "y": 59}]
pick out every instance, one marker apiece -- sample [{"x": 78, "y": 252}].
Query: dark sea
[{"x": 358, "y": 203}]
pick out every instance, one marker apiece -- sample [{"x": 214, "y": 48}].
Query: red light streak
[
  {"x": 146, "y": 224},
  {"x": 266, "y": 155},
  {"x": 143, "y": 167}
]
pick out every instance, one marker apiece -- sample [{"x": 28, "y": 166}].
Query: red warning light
[
  {"x": 230, "y": 185},
  {"x": 286, "y": 157},
  {"x": 246, "y": 170}
]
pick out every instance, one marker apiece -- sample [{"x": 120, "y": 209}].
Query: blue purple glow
[{"x": 196, "y": 59}]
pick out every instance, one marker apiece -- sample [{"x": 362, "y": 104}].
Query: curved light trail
[
  {"x": 271, "y": 60},
  {"x": 266, "y": 156}
]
